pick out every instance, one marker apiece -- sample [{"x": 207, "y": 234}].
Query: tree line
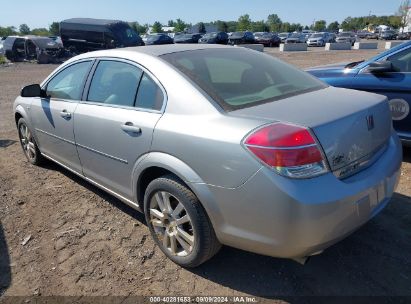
[
  {"x": 24, "y": 29},
  {"x": 273, "y": 23}
]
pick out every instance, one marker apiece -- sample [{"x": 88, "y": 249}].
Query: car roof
[
  {"x": 91, "y": 21},
  {"x": 159, "y": 50},
  {"x": 154, "y": 51}
]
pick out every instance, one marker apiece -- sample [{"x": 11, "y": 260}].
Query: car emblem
[
  {"x": 370, "y": 122},
  {"x": 399, "y": 109}
]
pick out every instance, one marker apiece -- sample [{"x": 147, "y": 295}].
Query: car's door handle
[
  {"x": 65, "y": 114},
  {"x": 130, "y": 127}
]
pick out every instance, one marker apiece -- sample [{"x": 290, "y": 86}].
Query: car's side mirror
[
  {"x": 33, "y": 90},
  {"x": 380, "y": 67}
]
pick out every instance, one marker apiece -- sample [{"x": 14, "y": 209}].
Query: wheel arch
[
  {"x": 156, "y": 164},
  {"x": 19, "y": 112}
]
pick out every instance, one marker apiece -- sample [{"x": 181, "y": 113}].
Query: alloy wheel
[
  {"x": 27, "y": 142},
  {"x": 172, "y": 224}
]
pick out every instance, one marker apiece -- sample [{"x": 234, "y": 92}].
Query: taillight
[{"x": 290, "y": 150}]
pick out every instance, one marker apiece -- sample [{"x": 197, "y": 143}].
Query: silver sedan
[{"x": 217, "y": 145}]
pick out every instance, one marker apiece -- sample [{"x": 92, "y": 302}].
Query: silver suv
[{"x": 320, "y": 39}]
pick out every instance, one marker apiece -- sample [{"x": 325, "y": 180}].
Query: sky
[{"x": 42, "y": 13}]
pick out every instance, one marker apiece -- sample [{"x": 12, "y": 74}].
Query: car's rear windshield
[{"x": 237, "y": 78}]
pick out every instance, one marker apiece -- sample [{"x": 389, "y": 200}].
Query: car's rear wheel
[
  {"x": 178, "y": 222},
  {"x": 28, "y": 143}
]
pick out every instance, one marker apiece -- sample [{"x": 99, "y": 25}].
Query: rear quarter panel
[{"x": 210, "y": 145}]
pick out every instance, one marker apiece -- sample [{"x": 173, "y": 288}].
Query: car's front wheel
[
  {"x": 28, "y": 143},
  {"x": 178, "y": 223}
]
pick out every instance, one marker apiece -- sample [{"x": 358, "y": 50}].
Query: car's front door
[
  {"x": 115, "y": 123},
  {"x": 53, "y": 117},
  {"x": 396, "y": 85}
]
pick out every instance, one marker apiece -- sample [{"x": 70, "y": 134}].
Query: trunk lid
[{"x": 351, "y": 126}]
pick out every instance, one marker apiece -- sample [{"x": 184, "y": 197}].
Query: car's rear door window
[
  {"x": 149, "y": 95},
  {"x": 115, "y": 83},
  {"x": 123, "y": 84},
  {"x": 69, "y": 83}
]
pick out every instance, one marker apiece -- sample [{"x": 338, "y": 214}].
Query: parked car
[
  {"x": 57, "y": 39},
  {"x": 207, "y": 142},
  {"x": 388, "y": 35},
  {"x": 187, "y": 38},
  {"x": 296, "y": 38},
  {"x": 159, "y": 39},
  {"x": 241, "y": 38},
  {"x": 42, "y": 49},
  {"x": 214, "y": 38},
  {"x": 404, "y": 36},
  {"x": 258, "y": 34},
  {"x": 85, "y": 34},
  {"x": 268, "y": 39},
  {"x": 388, "y": 74},
  {"x": 319, "y": 39},
  {"x": 333, "y": 37},
  {"x": 1, "y": 48},
  {"x": 347, "y": 37},
  {"x": 363, "y": 34},
  {"x": 373, "y": 35},
  {"x": 284, "y": 36},
  {"x": 307, "y": 33}
]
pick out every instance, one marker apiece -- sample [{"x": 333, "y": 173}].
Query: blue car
[{"x": 388, "y": 73}]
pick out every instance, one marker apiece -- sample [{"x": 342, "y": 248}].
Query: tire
[
  {"x": 182, "y": 229},
  {"x": 28, "y": 143}
]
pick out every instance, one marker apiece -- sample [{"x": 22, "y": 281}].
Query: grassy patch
[{"x": 3, "y": 60}]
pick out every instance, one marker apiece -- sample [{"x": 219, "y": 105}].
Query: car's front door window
[
  {"x": 401, "y": 61},
  {"x": 69, "y": 83}
]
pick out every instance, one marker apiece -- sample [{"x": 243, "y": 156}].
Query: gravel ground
[{"x": 61, "y": 236}]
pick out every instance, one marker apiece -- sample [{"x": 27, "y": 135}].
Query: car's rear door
[
  {"x": 53, "y": 117},
  {"x": 115, "y": 122},
  {"x": 395, "y": 85}
]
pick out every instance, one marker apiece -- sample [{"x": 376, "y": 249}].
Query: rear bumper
[
  {"x": 405, "y": 138},
  {"x": 282, "y": 217}
]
